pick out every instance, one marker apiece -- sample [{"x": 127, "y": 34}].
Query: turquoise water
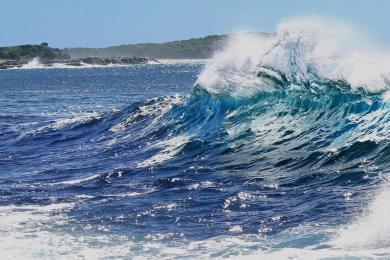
[{"x": 277, "y": 148}]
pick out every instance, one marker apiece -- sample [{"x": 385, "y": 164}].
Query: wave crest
[{"x": 304, "y": 50}]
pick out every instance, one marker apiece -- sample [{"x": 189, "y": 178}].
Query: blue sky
[{"x": 100, "y": 23}]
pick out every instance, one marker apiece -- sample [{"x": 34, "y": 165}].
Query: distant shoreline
[
  {"x": 195, "y": 50},
  {"x": 37, "y": 64}
]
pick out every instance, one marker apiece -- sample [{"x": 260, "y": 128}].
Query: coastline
[{"x": 37, "y": 64}]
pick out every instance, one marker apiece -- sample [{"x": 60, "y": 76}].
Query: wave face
[{"x": 281, "y": 149}]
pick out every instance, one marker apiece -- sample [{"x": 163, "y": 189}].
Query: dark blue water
[{"x": 137, "y": 161}]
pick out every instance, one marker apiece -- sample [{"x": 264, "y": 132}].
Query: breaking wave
[{"x": 277, "y": 151}]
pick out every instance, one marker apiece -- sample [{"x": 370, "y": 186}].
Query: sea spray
[
  {"x": 303, "y": 50},
  {"x": 372, "y": 228},
  {"x": 274, "y": 153}
]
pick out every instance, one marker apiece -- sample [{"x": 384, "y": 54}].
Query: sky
[{"x": 101, "y": 23}]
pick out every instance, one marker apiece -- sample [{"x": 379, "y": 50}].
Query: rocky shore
[{"x": 7, "y": 64}]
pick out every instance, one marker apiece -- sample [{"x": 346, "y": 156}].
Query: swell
[
  {"x": 261, "y": 148},
  {"x": 249, "y": 165},
  {"x": 317, "y": 125}
]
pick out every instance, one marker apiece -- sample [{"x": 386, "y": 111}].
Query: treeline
[
  {"x": 196, "y": 48},
  {"x": 28, "y": 52}
]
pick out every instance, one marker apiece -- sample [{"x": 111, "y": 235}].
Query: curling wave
[{"x": 278, "y": 149}]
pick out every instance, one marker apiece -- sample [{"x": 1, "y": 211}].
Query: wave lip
[
  {"x": 303, "y": 50},
  {"x": 272, "y": 154}
]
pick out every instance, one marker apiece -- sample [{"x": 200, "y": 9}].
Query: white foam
[
  {"x": 36, "y": 64},
  {"x": 202, "y": 185},
  {"x": 386, "y": 96},
  {"x": 157, "y": 109},
  {"x": 75, "y": 119},
  {"x": 33, "y": 64},
  {"x": 77, "y": 181},
  {"x": 333, "y": 49},
  {"x": 372, "y": 230},
  {"x": 36, "y": 232},
  {"x": 233, "y": 65},
  {"x": 72, "y": 119},
  {"x": 23, "y": 231},
  {"x": 169, "y": 148}
]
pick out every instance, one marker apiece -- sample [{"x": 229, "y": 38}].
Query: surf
[{"x": 276, "y": 151}]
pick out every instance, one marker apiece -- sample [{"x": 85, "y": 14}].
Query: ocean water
[{"x": 277, "y": 148}]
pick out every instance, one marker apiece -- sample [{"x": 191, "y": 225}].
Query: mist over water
[
  {"x": 277, "y": 148},
  {"x": 302, "y": 49}
]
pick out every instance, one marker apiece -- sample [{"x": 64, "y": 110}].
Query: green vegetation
[
  {"x": 28, "y": 52},
  {"x": 196, "y": 48}
]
